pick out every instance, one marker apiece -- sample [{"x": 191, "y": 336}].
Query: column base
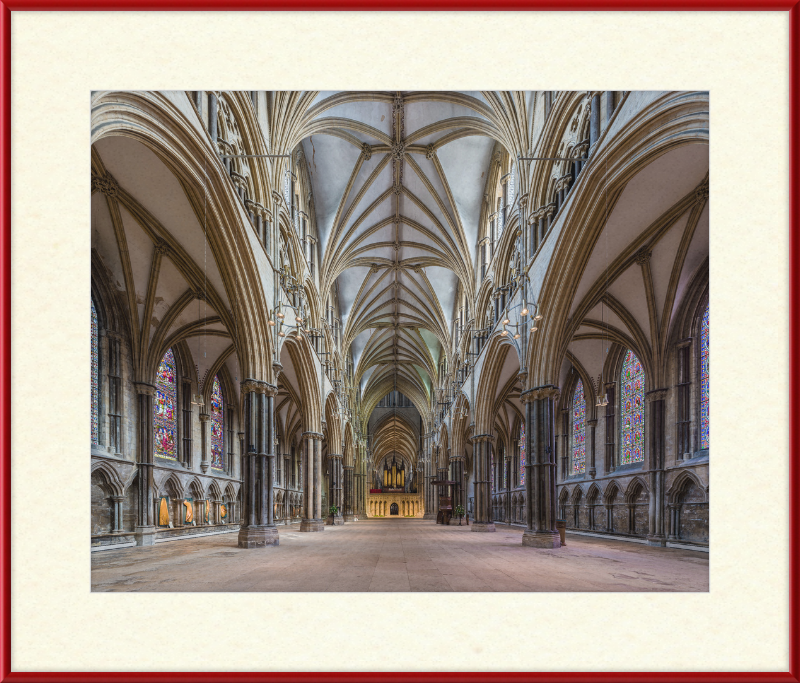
[
  {"x": 657, "y": 541},
  {"x": 541, "y": 539},
  {"x": 258, "y": 536},
  {"x": 334, "y": 521},
  {"x": 312, "y": 525},
  {"x": 429, "y": 515},
  {"x": 349, "y": 518},
  {"x": 483, "y": 526},
  {"x": 145, "y": 535}
]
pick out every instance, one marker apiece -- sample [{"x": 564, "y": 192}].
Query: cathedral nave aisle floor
[{"x": 399, "y": 555}]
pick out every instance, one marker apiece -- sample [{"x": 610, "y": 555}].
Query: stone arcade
[{"x": 307, "y": 307}]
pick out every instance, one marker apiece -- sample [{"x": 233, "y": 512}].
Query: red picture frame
[{"x": 6, "y": 8}]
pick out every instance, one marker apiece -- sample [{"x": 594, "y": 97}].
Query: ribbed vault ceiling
[{"x": 398, "y": 182}]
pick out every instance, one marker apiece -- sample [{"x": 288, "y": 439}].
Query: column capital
[
  {"x": 655, "y": 395},
  {"x": 313, "y": 436},
  {"x": 537, "y": 393},
  {"x": 483, "y": 437},
  {"x": 334, "y": 456},
  {"x": 592, "y": 423},
  {"x": 145, "y": 388},
  {"x": 204, "y": 417}
]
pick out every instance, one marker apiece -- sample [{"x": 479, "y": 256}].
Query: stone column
[
  {"x": 212, "y": 117},
  {"x": 335, "y": 489},
  {"x": 257, "y": 527},
  {"x": 460, "y": 497},
  {"x": 312, "y": 481},
  {"x": 117, "y": 521},
  {"x": 205, "y": 446},
  {"x": 672, "y": 516},
  {"x": 200, "y": 512},
  {"x": 483, "y": 519},
  {"x": 592, "y": 428},
  {"x": 655, "y": 429},
  {"x": 540, "y": 480},
  {"x": 145, "y": 529},
  {"x": 350, "y": 491},
  {"x": 594, "y": 121},
  {"x": 610, "y": 105}
]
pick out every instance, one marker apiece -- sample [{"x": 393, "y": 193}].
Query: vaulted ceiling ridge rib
[
  {"x": 449, "y": 212},
  {"x": 337, "y": 225},
  {"x": 320, "y": 126},
  {"x": 346, "y": 97},
  {"x": 470, "y": 123},
  {"x": 648, "y": 238},
  {"x": 450, "y": 97},
  {"x": 338, "y": 240}
]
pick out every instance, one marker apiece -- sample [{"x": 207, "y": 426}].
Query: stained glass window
[
  {"x": 704, "y": 416},
  {"x": 522, "y": 454},
  {"x": 95, "y": 379},
  {"x": 579, "y": 430},
  {"x": 164, "y": 422},
  {"x": 632, "y": 410},
  {"x": 217, "y": 433}
]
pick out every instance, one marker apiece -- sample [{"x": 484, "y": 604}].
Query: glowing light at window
[
  {"x": 579, "y": 430},
  {"x": 164, "y": 423},
  {"x": 632, "y": 410}
]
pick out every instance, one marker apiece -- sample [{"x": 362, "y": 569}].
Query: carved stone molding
[
  {"x": 314, "y": 436},
  {"x": 250, "y": 386},
  {"x": 655, "y": 395},
  {"x": 538, "y": 393},
  {"x": 145, "y": 388},
  {"x": 701, "y": 192},
  {"x": 398, "y": 150},
  {"x": 643, "y": 256},
  {"x": 106, "y": 184},
  {"x": 162, "y": 247}
]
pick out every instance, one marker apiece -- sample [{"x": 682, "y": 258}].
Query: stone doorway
[{"x": 394, "y": 509}]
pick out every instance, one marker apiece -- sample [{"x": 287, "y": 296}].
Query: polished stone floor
[{"x": 399, "y": 555}]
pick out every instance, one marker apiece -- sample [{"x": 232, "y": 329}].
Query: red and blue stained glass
[
  {"x": 95, "y": 380},
  {"x": 632, "y": 410},
  {"x": 704, "y": 415},
  {"x": 164, "y": 422},
  {"x": 217, "y": 424},
  {"x": 522, "y": 454},
  {"x": 579, "y": 430}
]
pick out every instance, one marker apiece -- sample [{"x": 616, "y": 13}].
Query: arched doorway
[{"x": 394, "y": 510}]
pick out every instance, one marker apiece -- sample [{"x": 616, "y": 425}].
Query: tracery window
[
  {"x": 95, "y": 379},
  {"x": 164, "y": 408},
  {"x": 522, "y": 454},
  {"x": 631, "y": 410},
  {"x": 704, "y": 376},
  {"x": 578, "y": 430},
  {"x": 217, "y": 426}
]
